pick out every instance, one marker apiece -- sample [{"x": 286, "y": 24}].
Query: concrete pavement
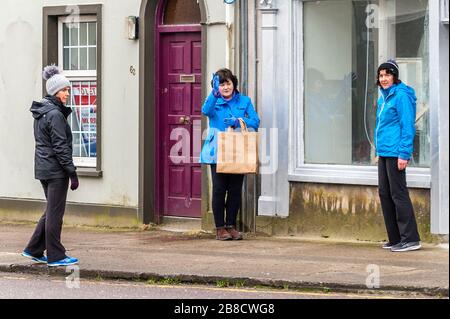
[{"x": 197, "y": 257}]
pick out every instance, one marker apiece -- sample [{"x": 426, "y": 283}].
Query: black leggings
[
  {"x": 47, "y": 235},
  {"x": 397, "y": 208},
  {"x": 229, "y": 186}
]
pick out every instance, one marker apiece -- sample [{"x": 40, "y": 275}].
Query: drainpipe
[
  {"x": 244, "y": 46},
  {"x": 247, "y": 218},
  {"x": 229, "y": 21}
]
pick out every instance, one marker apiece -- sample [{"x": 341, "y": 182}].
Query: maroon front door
[{"x": 180, "y": 115}]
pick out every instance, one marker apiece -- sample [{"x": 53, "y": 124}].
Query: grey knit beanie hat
[{"x": 55, "y": 80}]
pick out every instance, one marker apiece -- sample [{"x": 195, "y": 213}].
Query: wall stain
[{"x": 342, "y": 212}]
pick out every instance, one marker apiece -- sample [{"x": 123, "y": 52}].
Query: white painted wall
[
  {"x": 20, "y": 35},
  {"x": 20, "y": 83},
  {"x": 217, "y": 38}
]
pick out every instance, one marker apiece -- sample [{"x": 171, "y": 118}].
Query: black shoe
[{"x": 414, "y": 245}]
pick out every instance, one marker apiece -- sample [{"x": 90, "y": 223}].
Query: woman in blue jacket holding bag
[
  {"x": 223, "y": 107},
  {"x": 394, "y": 137}
]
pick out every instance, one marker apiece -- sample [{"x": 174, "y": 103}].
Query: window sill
[
  {"x": 89, "y": 172},
  {"x": 354, "y": 175}
]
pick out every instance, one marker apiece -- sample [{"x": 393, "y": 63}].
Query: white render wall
[
  {"x": 21, "y": 38},
  {"x": 20, "y": 63},
  {"x": 216, "y": 38},
  {"x": 20, "y": 84}
]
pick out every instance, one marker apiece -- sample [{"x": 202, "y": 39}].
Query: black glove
[{"x": 74, "y": 183}]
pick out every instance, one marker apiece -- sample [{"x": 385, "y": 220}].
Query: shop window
[{"x": 344, "y": 42}]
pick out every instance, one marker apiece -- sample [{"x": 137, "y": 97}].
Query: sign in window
[{"x": 83, "y": 119}]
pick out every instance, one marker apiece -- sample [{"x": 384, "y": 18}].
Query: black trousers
[
  {"x": 47, "y": 235},
  {"x": 227, "y": 192},
  {"x": 397, "y": 208}
]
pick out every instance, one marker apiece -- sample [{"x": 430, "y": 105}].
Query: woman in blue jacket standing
[
  {"x": 223, "y": 107},
  {"x": 394, "y": 137}
]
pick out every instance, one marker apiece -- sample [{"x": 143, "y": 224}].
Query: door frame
[{"x": 150, "y": 210}]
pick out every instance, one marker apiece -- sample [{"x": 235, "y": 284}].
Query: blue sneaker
[
  {"x": 39, "y": 260},
  {"x": 64, "y": 262}
]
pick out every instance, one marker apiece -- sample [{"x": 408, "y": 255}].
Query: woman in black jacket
[{"x": 53, "y": 167}]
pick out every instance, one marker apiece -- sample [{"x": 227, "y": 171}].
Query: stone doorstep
[{"x": 181, "y": 224}]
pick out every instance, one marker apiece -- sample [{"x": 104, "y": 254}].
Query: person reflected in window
[
  {"x": 394, "y": 137},
  {"x": 224, "y": 107},
  {"x": 327, "y": 116},
  {"x": 53, "y": 166}
]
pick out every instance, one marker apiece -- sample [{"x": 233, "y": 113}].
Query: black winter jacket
[{"x": 53, "y": 137}]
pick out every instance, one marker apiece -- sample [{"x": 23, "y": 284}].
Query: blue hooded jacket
[
  {"x": 217, "y": 109},
  {"x": 395, "y": 126}
]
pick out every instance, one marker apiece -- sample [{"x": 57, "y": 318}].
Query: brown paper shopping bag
[{"x": 237, "y": 152}]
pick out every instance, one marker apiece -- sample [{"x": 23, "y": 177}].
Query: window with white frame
[
  {"x": 338, "y": 45},
  {"x": 77, "y": 50},
  {"x": 344, "y": 42}
]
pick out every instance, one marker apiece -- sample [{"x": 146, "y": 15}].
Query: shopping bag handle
[
  {"x": 244, "y": 128},
  {"x": 243, "y": 125}
]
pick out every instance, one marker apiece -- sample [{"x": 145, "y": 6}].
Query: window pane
[
  {"x": 92, "y": 145},
  {"x": 65, "y": 35},
  {"x": 328, "y": 28},
  {"x": 74, "y": 28},
  {"x": 76, "y": 144},
  {"x": 83, "y": 34},
  {"x": 92, "y": 59},
  {"x": 84, "y": 114},
  {"x": 75, "y": 119},
  {"x": 83, "y": 59},
  {"x": 93, "y": 33},
  {"x": 66, "y": 59},
  {"x": 182, "y": 12},
  {"x": 340, "y": 92},
  {"x": 74, "y": 59},
  {"x": 74, "y": 92}
]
